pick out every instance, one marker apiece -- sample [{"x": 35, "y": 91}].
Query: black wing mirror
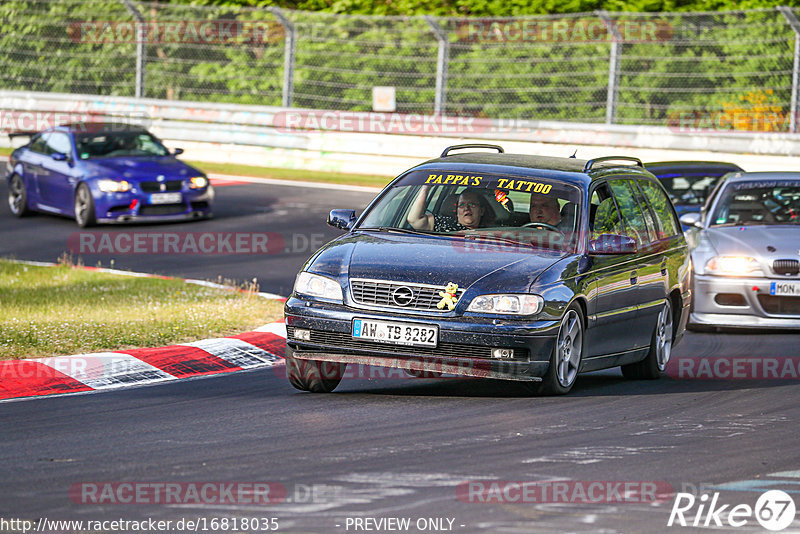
[{"x": 342, "y": 219}]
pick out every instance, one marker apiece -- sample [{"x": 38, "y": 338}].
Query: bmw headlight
[
  {"x": 315, "y": 285},
  {"x": 113, "y": 186},
  {"x": 507, "y": 304},
  {"x": 734, "y": 266},
  {"x": 198, "y": 182}
]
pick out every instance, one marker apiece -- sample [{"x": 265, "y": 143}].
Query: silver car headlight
[
  {"x": 315, "y": 285},
  {"x": 113, "y": 186},
  {"x": 734, "y": 266},
  {"x": 198, "y": 182},
  {"x": 507, "y": 304}
]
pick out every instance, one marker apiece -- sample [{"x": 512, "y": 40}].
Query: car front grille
[
  {"x": 786, "y": 266},
  {"x": 155, "y": 187},
  {"x": 343, "y": 342},
  {"x": 385, "y": 293},
  {"x": 775, "y": 305},
  {"x": 162, "y": 209}
]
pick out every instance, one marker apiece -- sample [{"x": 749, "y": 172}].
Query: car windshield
[
  {"x": 531, "y": 211},
  {"x": 758, "y": 202},
  {"x": 690, "y": 187},
  {"x": 118, "y": 144}
]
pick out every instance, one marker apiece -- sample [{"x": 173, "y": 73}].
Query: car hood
[
  {"x": 433, "y": 260},
  {"x": 142, "y": 169},
  {"x": 774, "y": 241}
]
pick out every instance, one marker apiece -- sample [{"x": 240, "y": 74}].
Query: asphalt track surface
[{"x": 390, "y": 447}]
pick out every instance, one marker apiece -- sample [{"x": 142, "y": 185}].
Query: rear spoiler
[{"x": 12, "y": 135}]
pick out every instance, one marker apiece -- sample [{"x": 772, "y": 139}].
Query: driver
[
  {"x": 544, "y": 209},
  {"x": 469, "y": 212}
]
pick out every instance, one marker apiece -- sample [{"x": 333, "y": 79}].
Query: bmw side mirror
[
  {"x": 177, "y": 152},
  {"x": 342, "y": 219},
  {"x": 612, "y": 244},
  {"x": 59, "y": 156},
  {"x": 691, "y": 219}
]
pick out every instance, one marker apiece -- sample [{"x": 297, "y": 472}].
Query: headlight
[
  {"x": 113, "y": 186},
  {"x": 315, "y": 285},
  {"x": 198, "y": 182},
  {"x": 733, "y": 266},
  {"x": 507, "y": 304}
]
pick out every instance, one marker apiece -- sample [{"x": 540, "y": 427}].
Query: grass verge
[
  {"x": 49, "y": 311},
  {"x": 292, "y": 174},
  {"x": 277, "y": 173}
]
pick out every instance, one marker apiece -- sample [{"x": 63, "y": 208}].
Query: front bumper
[
  {"x": 135, "y": 206},
  {"x": 756, "y": 307},
  {"x": 464, "y": 345}
]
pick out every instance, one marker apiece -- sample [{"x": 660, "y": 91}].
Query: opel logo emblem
[{"x": 403, "y": 295}]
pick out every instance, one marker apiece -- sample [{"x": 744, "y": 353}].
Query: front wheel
[
  {"x": 17, "y": 196},
  {"x": 312, "y": 375},
  {"x": 565, "y": 361},
  {"x": 84, "y": 207},
  {"x": 655, "y": 363}
]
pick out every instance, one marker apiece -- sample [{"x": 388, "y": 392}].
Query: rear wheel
[
  {"x": 18, "y": 196},
  {"x": 655, "y": 363},
  {"x": 312, "y": 375},
  {"x": 84, "y": 207},
  {"x": 565, "y": 362}
]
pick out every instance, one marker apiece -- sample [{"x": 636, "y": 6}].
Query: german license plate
[
  {"x": 785, "y": 289},
  {"x": 396, "y": 333},
  {"x": 166, "y": 198}
]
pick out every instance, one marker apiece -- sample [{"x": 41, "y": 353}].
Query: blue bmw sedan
[
  {"x": 501, "y": 266},
  {"x": 104, "y": 173}
]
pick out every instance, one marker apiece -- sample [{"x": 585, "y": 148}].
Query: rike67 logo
[{"x": 774, "y": 510}]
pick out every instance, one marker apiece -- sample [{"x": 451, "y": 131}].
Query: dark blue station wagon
[{"x": 500, "y": 266}]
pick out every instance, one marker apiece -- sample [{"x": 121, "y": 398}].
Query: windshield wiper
[{"x": 397, "y": 230}]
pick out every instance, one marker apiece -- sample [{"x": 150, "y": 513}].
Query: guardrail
[{"x": 370, "y": 140}]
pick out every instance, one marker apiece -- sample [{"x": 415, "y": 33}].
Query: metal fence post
[
  {"x": 795, "y": 24},
  {"x": 288, "y": 57},
  {"x": 613, "y": 66},
  {"x": 141, "y": 35},
  {"x": 443, "y": 58}
]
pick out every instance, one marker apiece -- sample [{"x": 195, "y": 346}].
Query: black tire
[
  {"x": 18, "y": 196},
  {"x": 654, "y": 365},
  {"x": 312, "y": 375},
  {"x": 84, "y": 207},
  {"x": 565, "y": 361}
]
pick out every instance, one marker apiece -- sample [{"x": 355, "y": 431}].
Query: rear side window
[
  {"x": 58, "y": 143},
  {"x": 667, "y": 225},
  {"x": 629, "y": 209},
  {"x": 39, "y": 143}
]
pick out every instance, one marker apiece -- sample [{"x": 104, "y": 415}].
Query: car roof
[
  {"x": 661, "y": 166},
  {"x": 570, "y": 170},
  {"x": 99, "y": 127},
  {"x": 769, "y": 175}
]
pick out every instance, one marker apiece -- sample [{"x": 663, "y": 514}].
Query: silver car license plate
[
  {"x": 417, "y": 335},
  {"x": 166, "y": 198},
  {"x": 785, "y": 289}
]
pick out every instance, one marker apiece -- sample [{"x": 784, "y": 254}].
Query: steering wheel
[{"x": 543, "y": 225}]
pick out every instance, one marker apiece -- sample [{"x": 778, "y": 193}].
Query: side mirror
[
  {"x": 342, "y": 219},
  {"x": 177, "y": 152},
  {"x": 59, "y": 156},
  {"x": 612, "y": 244},
  {"x": 691, "y": 218}
]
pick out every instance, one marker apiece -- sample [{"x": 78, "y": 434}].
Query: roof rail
[
  {"x": 471, "y": 145},
  {"x": 591, "y": 162}
]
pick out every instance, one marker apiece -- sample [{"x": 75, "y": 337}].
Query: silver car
[{"x": 745, "y": 248}]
